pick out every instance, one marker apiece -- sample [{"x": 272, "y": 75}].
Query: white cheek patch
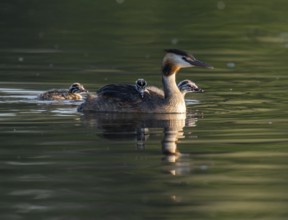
[{"x": 181, "y": 62}]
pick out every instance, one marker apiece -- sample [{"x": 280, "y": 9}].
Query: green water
[{"x": 232, "y": 145}]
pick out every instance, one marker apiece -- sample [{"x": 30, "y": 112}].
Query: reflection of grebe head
[
  {"x": 140, "y": 86},
  {"x": 77, "y": 88},
  {"x": 176, "y": 59},
  {"x": 188, "y": 86}
]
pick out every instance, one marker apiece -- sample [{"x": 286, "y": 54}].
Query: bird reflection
[
  {"x": 121, "y": 126},
  {"x": 142, "y": 135}
]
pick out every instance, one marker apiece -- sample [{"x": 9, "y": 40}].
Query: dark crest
[{"x": 178, "y": 52}]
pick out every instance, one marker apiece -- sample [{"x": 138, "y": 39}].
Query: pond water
[{"x": 231, "y": 148}]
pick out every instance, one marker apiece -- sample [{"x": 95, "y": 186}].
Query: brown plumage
[
  {"x": 73, "y": 93},
  {"x": 125, "y": 98}
]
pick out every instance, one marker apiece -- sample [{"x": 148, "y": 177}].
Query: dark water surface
[{"x": 231, "y": 147}]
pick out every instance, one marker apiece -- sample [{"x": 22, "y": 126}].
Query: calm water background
[{"x": 59, "y": 164}]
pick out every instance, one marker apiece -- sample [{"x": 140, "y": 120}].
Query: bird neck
[
  {"x": 170, "y": 87},
  {"x": 169, "y": 68}
]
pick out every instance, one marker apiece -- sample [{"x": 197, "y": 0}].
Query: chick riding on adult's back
[
  {"x": 185, "y": 86},
  {"x": 125, "y": 98}
]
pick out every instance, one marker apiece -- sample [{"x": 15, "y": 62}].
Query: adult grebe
[
  {"x": 185, "y": 86},
  {"x": 73, "y": 93},
  {"x": 125, "y": 98}
]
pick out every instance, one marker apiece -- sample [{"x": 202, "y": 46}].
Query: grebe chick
[
  {"x": 185, "y": 86},
  {"x": 73, "y": 93},
  {"x": 140, "y": 86},
  {"x": 125, "y": 98}
]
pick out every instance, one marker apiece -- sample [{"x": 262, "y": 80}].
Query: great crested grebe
[
  {"x": 185, "y": 86},
  {"x": 125, "y": 98},
  {"x": 73, "y": 93}
]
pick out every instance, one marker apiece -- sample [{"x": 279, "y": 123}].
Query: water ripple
[{"x": 14, "y": 163}]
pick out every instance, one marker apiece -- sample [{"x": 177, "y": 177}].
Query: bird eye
[{"x": 187, "y": 59}]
